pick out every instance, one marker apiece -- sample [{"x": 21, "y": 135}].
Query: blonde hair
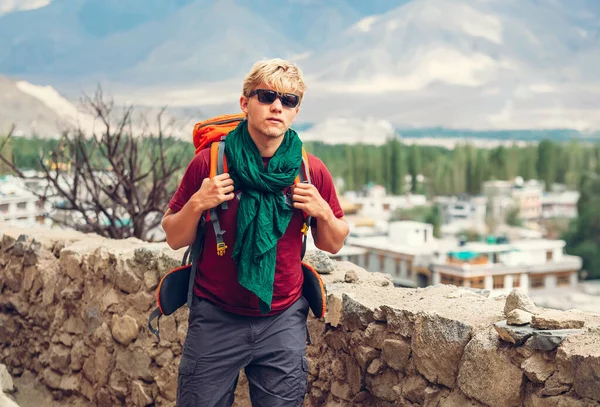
[{"x": 283, "y": 76}]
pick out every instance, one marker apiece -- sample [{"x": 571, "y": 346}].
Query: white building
[
  {"x": 17, "y": 203},
  {"x": 462, "y": 213},
  {"x": 526, "y": 195},
  {"x": 560, "y": 204},
  {"x": 413, "y": 257},
  {"x": 377, "y": 205}
]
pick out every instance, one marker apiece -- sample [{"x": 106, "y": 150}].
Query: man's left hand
[{"x": 307, "y": 198}]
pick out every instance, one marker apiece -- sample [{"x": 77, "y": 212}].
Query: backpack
[{"x": 176, "y": 288}]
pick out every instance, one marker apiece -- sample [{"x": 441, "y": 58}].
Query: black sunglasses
[{"x": 268, "y": 96}]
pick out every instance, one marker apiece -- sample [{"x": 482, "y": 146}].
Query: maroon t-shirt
[{"x": 217, "y": 279}]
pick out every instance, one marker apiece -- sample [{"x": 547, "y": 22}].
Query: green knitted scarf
[{"x": 263, "y": 215}]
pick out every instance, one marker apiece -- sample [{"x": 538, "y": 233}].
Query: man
[{"x": 248, "y": 310}]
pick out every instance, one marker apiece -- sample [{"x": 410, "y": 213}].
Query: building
[
  {"x": 462, "y": 213},
  {"x": 560, "y": 204},
  {"x": 377, "y": 205},
  {"x": 414, "y": 258},
  {"x": 531, "y": 265},
  {"x": 18, "y": 204},
  {"x": 526, "y": 195}
]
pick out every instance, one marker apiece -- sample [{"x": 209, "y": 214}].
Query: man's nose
[{"x": 276, "y": 106}]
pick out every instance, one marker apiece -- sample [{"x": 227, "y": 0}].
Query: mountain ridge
[{"x": 479, "y": 64}]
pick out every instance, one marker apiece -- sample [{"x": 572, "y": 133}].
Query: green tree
[
  {"x": 414, "y": 166},
  {"x": 547, "y": 162},
  {"x": 512, "y": 217}
]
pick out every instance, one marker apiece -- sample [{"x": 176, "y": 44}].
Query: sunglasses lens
[
  {"x": 266, "y": 96},
  {"x": 289, "y": 100}
]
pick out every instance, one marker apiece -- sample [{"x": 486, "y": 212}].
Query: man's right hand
[{"x": 213, "y": 192}]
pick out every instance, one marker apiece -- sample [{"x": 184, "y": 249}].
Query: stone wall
[{"x": 74, "y": 310}]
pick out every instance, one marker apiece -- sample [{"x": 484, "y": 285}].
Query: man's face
[{"x": 270, "y": 119}]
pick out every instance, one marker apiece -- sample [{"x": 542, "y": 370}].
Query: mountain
[
  {"x": 475, "y": 64},
  {"x": 29, "y": 114},
  {"x": 141, "y": 42}
]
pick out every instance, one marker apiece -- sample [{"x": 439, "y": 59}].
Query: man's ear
[{"x": 244, "y": 104}]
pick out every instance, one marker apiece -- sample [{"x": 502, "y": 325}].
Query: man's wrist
[
  {"x": 326, "y": 217},
  {"x": 199, "y": 207}
]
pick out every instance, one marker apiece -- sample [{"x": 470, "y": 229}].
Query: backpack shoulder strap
[
  {"x": 304, "y": 176},
  {"x": 218, "y": 166}
]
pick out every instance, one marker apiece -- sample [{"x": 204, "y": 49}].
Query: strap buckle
[
  {"x": 221, "y": 248},
  {"x": 304, "y": 229}
]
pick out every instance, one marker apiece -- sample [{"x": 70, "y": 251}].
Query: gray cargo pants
[{"x": 272, "y": 351}]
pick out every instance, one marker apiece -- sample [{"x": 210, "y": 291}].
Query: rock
[
  {"x": 141, "y": 394},
  {"x": 558, "y": 401},
  {"x": 458, "y": 399},
  {"x": 166, "y": 381},
  {"x": 87, "y": 389},
  {"x": 126, "y": 280},
  {"x": 52, "y": 379},
  {"x": 151, "y": 279},
  {"x": 6, "y": 381},
  {"x": 124, "y": 329},
  {"x": 118, "y": 384},
  {"x": 335, "y": 309},
  {"x": 400, "y": 321},
  {"x": 554, "y": 319},
  {"x": 93, "y": 319},
  {"x": 60, "y": 358},
  {"x": 70, "y": 383},
  {"x": 437, "y": 347},
  {"x": 517, "y": 299},
  {"x": 74, "y": 325},
  {"x": 142, "y": 301},
  {"x": 354, "y": 376},
  {"x": 135, "y": 364},
  {"x": 374, "y": 367},
  {"x": 396, "y": 353},
  {"x": 72, "y": 292},
  {"x": 463, "y": 292},
  {"x": 581, "y": 355},
  {"x": 518, "y": 317},
  {"x": 164, "y": 358},
  {"x": 513, "y": 334},
  {"x": 549, "y": 340},
  {"x": 98, "y": 367},
  {"x": 66, "y": 339},
  {"x": 78, "y": 353},
  {"x": 341, "y": 390},
  {"x": 351, "y": 276},
  {"x": 413, "y": 389},
  {"x": 71, "y": 261},
  {"x": 382, "y": 385},
  {"x": 320, "y": 261},
  {"x": 375, "y": 334},
  {"x": 488, "y": 374},
  {"x": 360, "y": 397},
  {"x": 356, "y": 315},
  {"x": 537, "y": 368},
  {"x": 338, "y": 369},
  {"x": 553, "y": 386},
  {"x": 109, "y": 297},
  {"x": 364, "y": 356}
]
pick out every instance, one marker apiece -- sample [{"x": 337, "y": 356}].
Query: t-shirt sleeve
[
  {"x": 323, "y": 181},
  {"x": 196, "y": 171}
]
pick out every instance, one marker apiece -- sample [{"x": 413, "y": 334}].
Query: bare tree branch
[{"x": 117, "y": 181}]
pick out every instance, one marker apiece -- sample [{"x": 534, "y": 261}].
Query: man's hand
[
  {"x": 307, "y": 198},
  {"x": 213, "y": 192}
]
